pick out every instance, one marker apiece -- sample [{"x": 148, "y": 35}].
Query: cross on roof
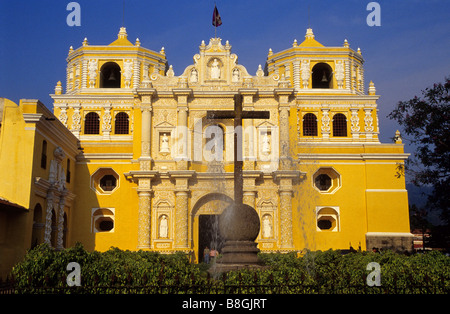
[{"x": 237, "y": 114}]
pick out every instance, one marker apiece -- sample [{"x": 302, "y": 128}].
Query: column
[
  {"x": 182, "y": 152},
  {"x": 285, "y": 180},
  {"x": 286, "y": 241},
  {"x": 136, "y": 73},
  {"x": 296, "y": 66},
  {"x": 181, "y": 218},
  {"x": 84, "y": 71},
  {"x": 60, "y": 234},
  {"x": 145, "y": 95},
  {"x": 144, "y": 220},
  {"x": 250, "y": 190},
  {"x": 181, "y": 207},
  {"x": 283, "y": 99},
  {"x": 48, "y": 216}
]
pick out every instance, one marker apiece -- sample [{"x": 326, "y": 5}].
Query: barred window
[
  {"x": 92, "y": 123},
  {"x": 309, "y": 125},
  {"x": 121, "y": 124},
  {"x": 339, "y": 125}
]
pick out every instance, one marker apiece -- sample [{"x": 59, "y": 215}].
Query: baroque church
[{"x": 128, "y": 158}]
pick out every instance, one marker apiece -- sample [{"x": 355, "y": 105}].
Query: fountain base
[{"x": 238, "y": 255}]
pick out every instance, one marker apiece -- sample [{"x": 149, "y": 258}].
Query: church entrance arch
[{"x": 205, "y": 220}]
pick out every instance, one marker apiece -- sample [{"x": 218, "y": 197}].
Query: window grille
[
  {"x": 92, "y": 123},
  {"x": 339, "y": 125},
  {"x": 309, "y": 125},
  {"x": 121, "y": 125}
]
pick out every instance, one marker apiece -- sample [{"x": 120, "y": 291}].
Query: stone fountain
[{"x": 239, "y": 223}]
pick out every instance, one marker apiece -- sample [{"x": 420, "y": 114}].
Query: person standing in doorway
[{"x": 206, "y": 255}]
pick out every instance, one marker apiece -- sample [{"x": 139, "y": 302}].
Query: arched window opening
[
  {"x": 121, "y": 124},
  {"x": 65, "y": 230},
  {"x": 328, "y": 219},
  {"x": 309, "y": 125},
  {"x": 339, "y": 125},
  {"x": 92, "y": 123},
  {"x": 38, "y": 226},
  {"x": 54, "y": 232},
  {"x": 103, "y": 220},
  {"x": 68, "y": 171},
  {"x": 110, "y": 75},
  {"x": 322, "y": 76},
  {"x": 44, "y": 155}
]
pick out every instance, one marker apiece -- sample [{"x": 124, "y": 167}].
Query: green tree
[{"x": 426, "y": 120}]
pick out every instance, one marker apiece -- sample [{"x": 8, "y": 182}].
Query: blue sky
[{"x": 407, "y": 53}]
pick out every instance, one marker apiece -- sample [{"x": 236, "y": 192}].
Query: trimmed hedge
[{"x": 44, "y": 270}]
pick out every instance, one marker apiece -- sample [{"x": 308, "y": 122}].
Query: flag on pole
[{"x": 216, "y": 20}]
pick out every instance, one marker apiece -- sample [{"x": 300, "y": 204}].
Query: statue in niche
[
  {"x": 164, "y": 144},
  {"x": 163, "y": 227},
  {"x": 267, "y": 227},
  {"x": 235, "y": 78},
  {"x": 265, "y": 144},
  {"x": 194, "y": 76},
  {"x": 215, "y": 70}
]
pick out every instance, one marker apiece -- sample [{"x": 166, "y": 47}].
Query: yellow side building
[{"x": 149, "y": 171}]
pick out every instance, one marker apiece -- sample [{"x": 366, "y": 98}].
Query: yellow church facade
[{"x": 152, "y": 173}]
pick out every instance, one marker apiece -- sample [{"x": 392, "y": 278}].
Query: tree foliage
[{"x": 426, "y": 120}]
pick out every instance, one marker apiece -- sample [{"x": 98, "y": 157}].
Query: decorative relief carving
[
  {"x": 368, "y": 120},
  {"x": 76, "y": 120},
  {"x": 325, "y": 120},
  {"x": 127, "y": 72},
  {"x": 339, "y": 74},
  {"x": 92, "y": 68},
  {"x": 63, "y": 116},
  {"x": 106, "y": 126},
  {"x": 305, "y": 73},
  {"x": 354, "y": 120}
]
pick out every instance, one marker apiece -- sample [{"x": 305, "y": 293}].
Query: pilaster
[
  {"x": 182, "y": 206},
  {"x": 286, "y": 180},
  {"x": 182, "y": 133},
  {"x": 283, "y": 100},
  {"x": 145, "y": 95}
]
